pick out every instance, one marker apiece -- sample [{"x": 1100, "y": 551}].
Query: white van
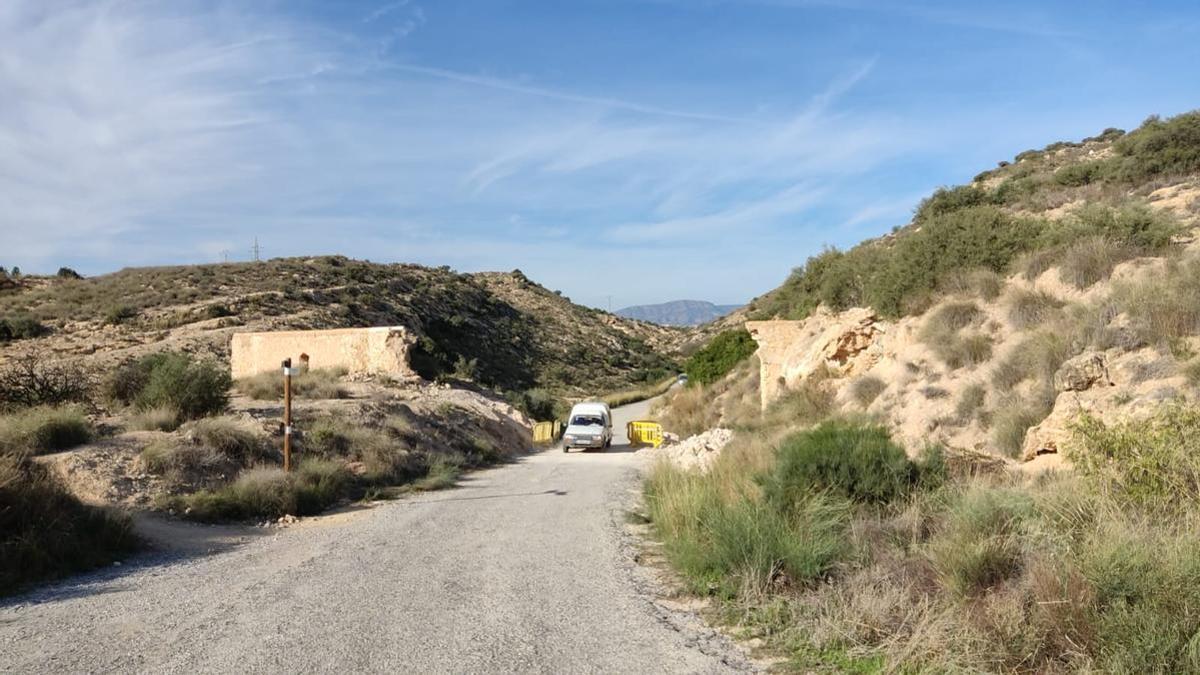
[{"x": 588, "y": 426}]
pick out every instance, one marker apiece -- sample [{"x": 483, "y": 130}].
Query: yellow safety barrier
[
  {"x": 644, "y": 433},
  {"x": 547, "y": 432}
]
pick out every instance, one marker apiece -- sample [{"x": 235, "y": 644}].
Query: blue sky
[{"x": 638, "y": 149}]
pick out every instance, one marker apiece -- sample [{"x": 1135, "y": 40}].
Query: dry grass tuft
[
  {"x": 319, "y": 383},
  {"x": 43, "y": 429},
  {"x": 1031, "y": 309},
  {"x": 866, "y": 389}
]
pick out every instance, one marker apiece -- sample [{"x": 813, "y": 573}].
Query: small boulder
[{"x": 1082, "y": 373}]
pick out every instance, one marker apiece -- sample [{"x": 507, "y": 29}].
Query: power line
[{"x": 256, "y": 250}]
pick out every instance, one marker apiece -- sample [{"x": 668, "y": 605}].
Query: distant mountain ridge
[{"x": 678, "y": 312}]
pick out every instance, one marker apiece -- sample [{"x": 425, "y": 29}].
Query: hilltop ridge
[
  {"x": 501, "y": 330},
  {"x": 678, "y": 312}
]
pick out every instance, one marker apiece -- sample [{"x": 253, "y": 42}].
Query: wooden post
[{"x": 287, "y": 414}]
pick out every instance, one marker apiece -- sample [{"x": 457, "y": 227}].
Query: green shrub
[
  {"x": 1082, "y": 173},
  {"x": 118, "y": 314},
  {"x": 719, "y": 356},
  {"x": 47, "y": 533},
  {"x": 67, "y": 273},
  {"x": 981, "y": 542},
  {"x": 539, "y": 404},
  {"x": 947, "y": 200},
  {"x": 1153, "y": 461},
  {"x": 443, "y": 474},
  {"x": 386, "y": 457},
  {"x": 1158, "y": 148},
  {"x": 855, "y": 461},
  {"x": 171, "y": 380},
  {"x": 742, "y": 544},
  {"x": 976, "y": 237},
  {"x": 899, "y": 277},
  {"x": 1134, "y": 225},
  {"x": 43, "y": 429},
  {"x": 21, "y": 327}
]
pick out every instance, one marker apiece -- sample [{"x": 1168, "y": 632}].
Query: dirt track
[{"x": 525, "y": 567}]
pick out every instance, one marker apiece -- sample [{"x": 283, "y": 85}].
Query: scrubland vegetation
[
  {"x": 719, "y": 356},
  {"x": 840, "y": 552},
  {"x": 992, "y": 228},
  {"x": 819, "y": 534},
  {"x": 45, "y": 532}
]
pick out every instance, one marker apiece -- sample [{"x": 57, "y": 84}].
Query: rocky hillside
[
  {"x": 678, "y": 312},
  {"x": 500, "y": 330},
  {"x": 1059, "y": 284}
]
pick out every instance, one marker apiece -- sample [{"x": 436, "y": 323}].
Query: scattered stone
[
  {"x": 697, "y": 452},
  {"x": 1081, "y": 373}
]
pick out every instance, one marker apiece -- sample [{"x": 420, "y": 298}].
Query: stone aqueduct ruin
[{"x": 379, "y": 350}]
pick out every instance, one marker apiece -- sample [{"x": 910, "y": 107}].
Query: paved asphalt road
[{"x": 524, "y": 568}]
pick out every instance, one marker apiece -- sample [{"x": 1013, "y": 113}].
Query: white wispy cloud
[
  {"x": 142, "y": 132},
  {"x": 561, "y": 95}
]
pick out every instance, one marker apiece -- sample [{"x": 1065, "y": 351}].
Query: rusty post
[{"x": 287, "y": 414}]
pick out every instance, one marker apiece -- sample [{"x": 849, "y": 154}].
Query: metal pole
[{"x": 287, "y": 414}]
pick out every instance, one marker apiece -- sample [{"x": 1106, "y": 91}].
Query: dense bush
[
  {"x": 539, "y": 404},
  {"x": 171, "y": 380},
  {"x": 118, "y": 314},
  {"x": 858, "y": 462},
  {"x": 20, "y": 327},
  {"x": 1158, "y": 148},
  {"x": 719, "y": 356},
  {"x": 29, "y": 381},
  {"x": 43, "y": 429},
  {"x": 730, "y": 545},
  {"x": 981, "y": 543},
  {"x": 46, "y": 533},
  {"x": 1082, "y": 173},
  {"x": 946, "y": 200},
  {"x": 900, "y": 277},
  {"x": 1152, "y": 461}
]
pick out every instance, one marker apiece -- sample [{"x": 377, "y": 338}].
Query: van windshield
[{"x": 587, "y": 421}]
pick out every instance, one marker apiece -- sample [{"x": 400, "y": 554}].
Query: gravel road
[{"x": 524, "y": 568}]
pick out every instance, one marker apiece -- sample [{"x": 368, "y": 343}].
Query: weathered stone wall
[
  {"x": 789, "y": 351},
  {"x": 383, "y": 350}
]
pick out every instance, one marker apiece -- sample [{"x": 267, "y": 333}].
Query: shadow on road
[{"x": 556, "y": 493}]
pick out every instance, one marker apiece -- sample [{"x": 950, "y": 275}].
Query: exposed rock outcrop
[
  {"x": 789, "y": 351},
  {"x": 1082, "y": 373}
]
